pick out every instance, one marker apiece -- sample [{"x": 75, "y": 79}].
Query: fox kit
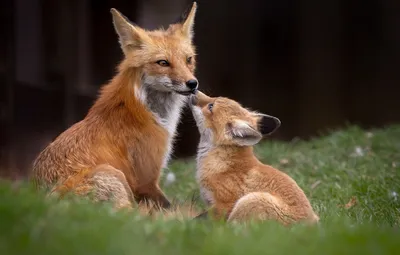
[
  {"x": 236, "y": 185},
  {"x": 127, "y": 136}
]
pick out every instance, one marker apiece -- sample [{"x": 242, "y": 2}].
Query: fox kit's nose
[
  {"x": 200, "y": 99},
  {"x": 193, "y": 99},
  {"x": 192, "y": 85}
]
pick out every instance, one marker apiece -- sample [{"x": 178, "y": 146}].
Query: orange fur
[
  {"x": 124, "y": 136},
  {"x": 233, "y": 181},
  {"x": 106, "y": 183}
]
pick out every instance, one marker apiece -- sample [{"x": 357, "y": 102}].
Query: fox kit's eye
[
  {"x": 210, "y": 106},
  {"x": 189, "y": 60},
  {"x": 163, "y": 62}
]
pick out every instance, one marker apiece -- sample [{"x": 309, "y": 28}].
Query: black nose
[{"x": 192, "y": 84}]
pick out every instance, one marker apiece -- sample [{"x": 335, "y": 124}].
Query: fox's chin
[
  {"x": 166, "y": 85},
  {"x": 171, "y": 89},
  {"x": 185, "y": 93},
  {"x": 168, "y": 89}
]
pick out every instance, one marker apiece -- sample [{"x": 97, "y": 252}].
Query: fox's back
[
  {"x": 94, "y": 141},
  {"x": 279, "y": 184},
  {"x": 263, "y": 179}
]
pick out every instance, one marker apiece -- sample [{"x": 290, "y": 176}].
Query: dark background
[{"x": 317, "y": 65}]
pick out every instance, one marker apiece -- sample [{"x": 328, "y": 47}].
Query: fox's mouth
[{"x": 187, "y": 93}]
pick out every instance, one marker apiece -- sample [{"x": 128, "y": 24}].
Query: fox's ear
[
  {"x": 267, "y": 124},
  {"x": 242, "y": 133},
  {"x": 188, "y": 22},
  {"x": 130, "y": 36}
]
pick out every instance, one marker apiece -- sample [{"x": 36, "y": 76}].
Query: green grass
[{"x": 331, "y": 170}]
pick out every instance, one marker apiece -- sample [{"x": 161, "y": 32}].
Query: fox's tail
[{"x": 264, "y": 206}]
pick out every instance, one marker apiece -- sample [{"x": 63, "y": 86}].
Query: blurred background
[{"x": 317, "y": 65}]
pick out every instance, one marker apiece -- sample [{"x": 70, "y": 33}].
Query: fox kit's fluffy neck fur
[{"x": 213, "y": 159}]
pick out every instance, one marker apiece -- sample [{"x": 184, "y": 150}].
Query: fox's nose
[{"x": 192, "y": 84}]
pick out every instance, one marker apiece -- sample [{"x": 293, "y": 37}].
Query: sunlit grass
[{"x": 352, "y": 178}]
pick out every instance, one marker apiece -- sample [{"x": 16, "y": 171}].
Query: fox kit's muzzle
[{"x": 200, "y": 99}]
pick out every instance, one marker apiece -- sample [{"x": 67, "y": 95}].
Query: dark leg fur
[{"x": 153, "y": 194}]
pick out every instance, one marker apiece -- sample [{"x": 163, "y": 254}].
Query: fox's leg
[
  {"x": 260, "y": 206},
  {"x": 104, "y": 182},
  {"x": 153, "y": 193},
  {"x": 111, "y": 184}
]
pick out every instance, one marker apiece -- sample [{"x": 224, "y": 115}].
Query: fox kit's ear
[
  {"x": 267, "y": 124},
  {"x": 188, "y": 22},
  {"x": 242, "y": 133},
  {"x": 130, "y": 36}
]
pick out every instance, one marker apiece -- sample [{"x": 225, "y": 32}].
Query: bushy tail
[{"x": 264, "y": 206}]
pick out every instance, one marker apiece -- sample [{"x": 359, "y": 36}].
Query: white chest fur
[
  {"x": 204, "y": 147},
  {"x": 166, "y": 108}
]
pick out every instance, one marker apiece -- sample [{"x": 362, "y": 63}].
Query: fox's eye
[
  {"x": 163, "y": 62},
  {"x": 210, "y": 106},
  {"x": 189, "y": 60}
]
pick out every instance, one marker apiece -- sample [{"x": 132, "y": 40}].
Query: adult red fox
[
  {"x": 118, "y": 150},
  {"x": 232, "y": 180}
]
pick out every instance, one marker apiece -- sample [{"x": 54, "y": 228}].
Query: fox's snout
[
  {"x": 192, "y": 85},
  {"x": 200, "y": 99}
]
